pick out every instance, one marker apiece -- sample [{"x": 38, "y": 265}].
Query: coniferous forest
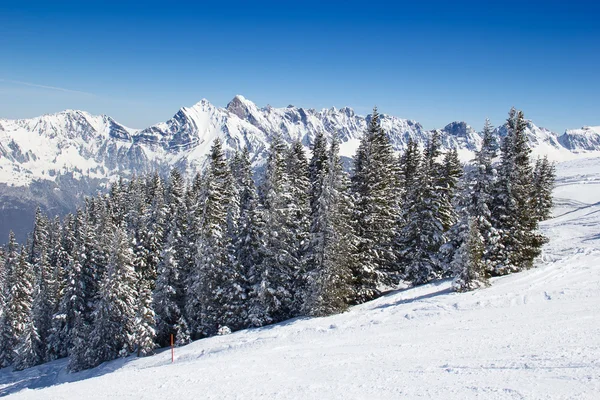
[{"x": 157, "y": 256}]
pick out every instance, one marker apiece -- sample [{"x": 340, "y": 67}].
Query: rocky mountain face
[
  {"x": 56, "y": 160},
  {"x": 581, "y": 140}
]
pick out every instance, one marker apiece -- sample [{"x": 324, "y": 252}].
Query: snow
[
  {"x": 71, "y": 140},
  {"x": 589, "y": 130},
  {"x": 530, "y": 335},
  {"x": 61, "y": 142}
]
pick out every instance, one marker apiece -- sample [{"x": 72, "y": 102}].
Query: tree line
[{"x": 156, "y": 257}]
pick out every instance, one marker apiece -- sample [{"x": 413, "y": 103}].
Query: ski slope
[{"x": 533, "y": 335}]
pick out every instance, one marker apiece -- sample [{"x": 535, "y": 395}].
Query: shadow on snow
[{"x": 55, "y": 373}]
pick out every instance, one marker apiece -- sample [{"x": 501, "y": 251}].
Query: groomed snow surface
[{"x": 533, "y": 335}]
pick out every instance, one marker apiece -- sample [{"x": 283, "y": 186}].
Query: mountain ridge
[
  {"x": 55, "y": 160},
  {"x": 75, "y": 141}
]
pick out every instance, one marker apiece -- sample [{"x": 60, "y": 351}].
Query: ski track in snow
[{"x": 532, "y": 335}]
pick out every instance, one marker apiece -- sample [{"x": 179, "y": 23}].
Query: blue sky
[{"x": 434, "y": 62}]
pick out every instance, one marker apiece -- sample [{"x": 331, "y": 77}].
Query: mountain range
[{"x": 55, "y": 160}]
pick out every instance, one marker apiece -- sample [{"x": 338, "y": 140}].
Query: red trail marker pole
[{"x": 172, "y": 350}]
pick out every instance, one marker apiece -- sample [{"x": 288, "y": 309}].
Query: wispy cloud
[{"x": 46, "y": 87}]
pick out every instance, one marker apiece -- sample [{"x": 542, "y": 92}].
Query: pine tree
[
  {"x": 275, "y": 293},
  {"x": 9, "y": 315},
  {"x": 468, "y": 262},
  {"x": 543, "y": 184},
  {"x": 481, "y": 195},
  {"x": 247, "y": 244},
  {"x": 409, "y": 165},
  {"x": 210, "y": 282},
  {"x": 425, "y": 212},
  {"x": 178, "y": 226},
  {"x": 144, "y": 332},
  {"x": 137, "y": 222},
  {"x": 57, "y": 279},
  {"x": 513, "y": 212},
  {"x": 63, "y": 259},
  {"x": 375, "y": 189},
  {"x": 174, "y": 267},
  {"x": 167, "y": 295},
  {"x": 28, "y": 349},
  {"x": 318, "y": 163},
  {"x": 114, "y": 313},
  {"x": 330, "y": 252},
  {"x": 298, "y": 219},
  {"x": 451, "y": 172},
  {"x": 43, "y": 296},
  {"x": 74, "y": 317}
]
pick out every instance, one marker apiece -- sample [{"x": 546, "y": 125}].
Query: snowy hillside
[{"x": 531, "y": 335}]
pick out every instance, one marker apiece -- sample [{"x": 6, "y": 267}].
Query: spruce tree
[
  {"x": 275, "y": 292},
  {"x": 375, "y": 189},
  {"x": 543, "y": 184},
  {"x": 55, "y": 251},
  {"x": 468, "y": 262},
  {"x": 181, "y": 244},
  {"x": 318, "y": 163},
  {"x": 43, "y": 296},
  {"x": 9, "y": 315},
  {"x": 58, "y": 341},
  {"x": 513, "y": 212},
  {"x": 71, "y": 325},
  {"x": 247, "y": 244},
  {"x": 144, "y": 327},
  {"x": 114, "y": 312},
  {"x": 448, "y": 186},
  {"x": 331, "y": 246},
  {"x": 425, "y": 212},
  {"x": 28, "y": 351},
  {"x": 211, "y": 281},
  {"x": 482, "y": 193},
  {"x": 167, "y": 296},
  {"x": 298, "y": 219}
]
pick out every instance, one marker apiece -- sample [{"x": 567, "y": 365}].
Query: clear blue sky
[{"x": 435, "y": 61}]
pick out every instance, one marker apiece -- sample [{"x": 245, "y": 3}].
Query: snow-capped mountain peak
[
  {"x": 581, "y": 140},
  {"x": 88, "y": 148}
]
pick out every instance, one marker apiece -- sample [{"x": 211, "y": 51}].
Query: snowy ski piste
[{"x": 531, "y": 335}]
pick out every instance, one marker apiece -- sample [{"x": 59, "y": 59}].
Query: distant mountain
[
  {"x": 57, "y": 159},
  {"x": 581, "y": 140}
]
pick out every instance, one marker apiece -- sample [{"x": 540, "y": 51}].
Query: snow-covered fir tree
[
  {"x": 298, "y": 218},
  {"x": 177, "y": 229},
  {"x": 448, "y": 186},
  {"x": 10, "y": 312},
  {"x": 375, "y": 190},
  {"x": 43, "y": 287},
  {"x": 247, "y": 244},
  {"x": 513, "y": 210},
  {"x": 274, "y": 293},
  {"x": 114, "y": 311},
  {"x": 72, "y": 322},
  {"x": 212, "y": 282},
  {"x": 481, "y": 191},
  {"x": 28, "y": 350},
  {"x": 543, "y": 183},
  {"x": 144, "y": 327},
  {"x": 331, "y": 248},
  {"x": 425, "y": 214},
  {"x": 63, "y": 257},
  {"x": 167, "y": 296},
  {"x": 470, "y": 271}
]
